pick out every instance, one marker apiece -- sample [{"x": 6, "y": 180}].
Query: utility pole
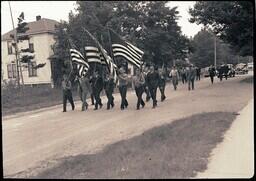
[
  {"x": 215, "y": 61},
  {"x": 16, "y": 47}
]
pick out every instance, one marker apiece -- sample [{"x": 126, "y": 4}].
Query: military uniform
[
  {"x": 198, "y": 72},
  {"x": 67, "y": 94},
  {"x": 84, "y": 90},
  {"x": 138, "y": 82},
  {"x": 161, "y": 84},
  {"x": 225, "y": 71},
  {"x": 146, "y": 89},
  {"x": 109, "y": 86},
  {"x": 92, "y": 97},
  {"x": 97, "y": 86},
  {"x": 183, "y": 75},
  {"x": 153, "y": 82},
  {"x": 175, "y": 77},
  {"x": 123, "y": 78},
  {"x": 212, "y": 73},
  {"x": 191, "y": 74},
  {"x": 220, "y": 71}
]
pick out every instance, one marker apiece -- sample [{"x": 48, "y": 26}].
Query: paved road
[{"x": 34, "y": 141}]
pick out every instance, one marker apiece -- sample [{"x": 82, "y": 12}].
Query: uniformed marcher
[
  {"x": 138, "y": 82},
  {"x": 183, "y": 75},
  {"x": 198, "y": 72},
  {"x": 67, "y": 94},
  {"x": 162, "y": 81},
  {"x": 225, "y": 71},
  {"x": 211, "y": 73},
  {"x": 85, "y": 90},
  {"x": 97, "y": 87},
  {"x": 122, "y": 84},
  {"x": 220, "y": 72},
  {"x": 109, "y": 86},
  {"x": 191, "y": 74},
  {"x": 153, "y": 81},
  {"x": 145, "y": 72},
  {"x": 92, "y": 97},
  {"x": 175, "y": 77}
]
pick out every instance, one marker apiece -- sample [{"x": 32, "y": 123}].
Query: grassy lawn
[
  {"x": 176, "y": 150},
  {"x": 14, "y": 100}
]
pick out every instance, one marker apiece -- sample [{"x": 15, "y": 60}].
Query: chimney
[{"x": 38, "y": 18}]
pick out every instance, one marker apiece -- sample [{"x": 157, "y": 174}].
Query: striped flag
[
  {"x": 125, "y": 49},
  {"x": 93, "y": 55},
  {"x": 104, "y": 57},
  {"x": 80, "y": 62},
  {"x": 110, "y": 64}
]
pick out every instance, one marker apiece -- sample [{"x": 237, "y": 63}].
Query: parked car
[
  {"x": 231, "y": 70},
  {"x": 241, "y": 68},
  {"x": 250, "y": 66}
]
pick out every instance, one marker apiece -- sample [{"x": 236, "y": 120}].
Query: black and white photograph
[{"x": 127, "y": 89}]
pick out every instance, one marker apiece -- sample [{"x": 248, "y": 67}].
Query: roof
[{"x": 43, "y": 25}]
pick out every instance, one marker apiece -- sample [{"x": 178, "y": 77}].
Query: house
[{"x": 41, "y": 38}]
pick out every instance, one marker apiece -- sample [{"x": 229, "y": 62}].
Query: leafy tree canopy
[{"x": 232, "y": 21}]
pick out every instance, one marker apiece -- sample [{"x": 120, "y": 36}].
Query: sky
[{"x": 59, "y": 10}]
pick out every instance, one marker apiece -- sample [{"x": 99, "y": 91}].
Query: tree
[
  {"x": 61, "y": 58},
  {"x": 232, "y": 21},
  {"x": 203, "y": 50},
  {"x": 151, "y": 26}
]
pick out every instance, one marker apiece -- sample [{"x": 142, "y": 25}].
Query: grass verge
[
  {"x": 15, "y": 101},
  {"x": 176, "y": 150}
]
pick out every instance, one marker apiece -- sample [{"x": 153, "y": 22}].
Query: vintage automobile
[
  {"x": 231, "y": 70},
  {"x": 241, "y": 68}
]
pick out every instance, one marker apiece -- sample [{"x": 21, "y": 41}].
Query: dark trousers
[
  {"x": 139, "y": 91},
  {"x": 198, "y": 77},
  {"x": 191, "y": 81},
  {"x": 67, "y": 95},
  {"x": 110, "y": 98},
  {"x": 123, "y": 91},
  {"x": 152, "y": 91},
  {"x": 147, "y": 93},
  {"x": 162, "y": 88},
  {"x": 212, "y": 78},
  {"x": 221, "y": 76},
  {"x": 96, "y": 94},
  {"x": 175, "y": 82},
  {"x": 226, "y": 76},
  {"x": 92, "y": 98},
  {"x": 183, "y": 78}
]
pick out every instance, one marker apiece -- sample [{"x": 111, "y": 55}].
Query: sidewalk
[{"x": 234, "y": 157}]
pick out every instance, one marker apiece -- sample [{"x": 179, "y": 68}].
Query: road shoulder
[{"x": 234, "y": 157}]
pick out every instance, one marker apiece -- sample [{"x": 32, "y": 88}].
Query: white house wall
[{"x": 42, "y": 51}]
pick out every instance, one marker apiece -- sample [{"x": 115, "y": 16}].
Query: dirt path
[{"x": 36, "y": 141}]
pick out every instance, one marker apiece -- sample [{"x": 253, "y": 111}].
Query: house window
[
  {"x": 31, "y": 71},
  {"x": 9, "y": 46},
  {"x": 31, "y": 47},
  {"x": 11, "y": 71}
]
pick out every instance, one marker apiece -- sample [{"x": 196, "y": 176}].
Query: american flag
[
  {"x": 80, "y": 62},
  {"x": 93, "y": 55},
  {"x": 125, "y": 49},
  {"x": 105, "y": 59}
]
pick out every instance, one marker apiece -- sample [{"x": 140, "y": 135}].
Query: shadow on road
[{"x": 176, "y": 150}]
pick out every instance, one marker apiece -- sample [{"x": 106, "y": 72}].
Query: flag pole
[
  {"x": 111, "y": 50},
  {"x": 69, "y": 46}
]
